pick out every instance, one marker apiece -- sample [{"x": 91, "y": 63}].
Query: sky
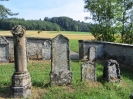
[{"x": 36, "y": 9}]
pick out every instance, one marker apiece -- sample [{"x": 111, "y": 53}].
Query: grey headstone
[
  {"x": 60, "y": 62},
  {"x": 88, "y": 71},
  {"x": 46, "y": 50},
  {"x": 92, "y": 53},
  {"x": 4, "y": 50},
  {"x": 112, "y": 71}
]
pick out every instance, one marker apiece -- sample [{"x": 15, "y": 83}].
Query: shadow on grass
[{"x": 5, "y": 92}]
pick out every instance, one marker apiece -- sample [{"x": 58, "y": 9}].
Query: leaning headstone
[
  {"x": 4, "y": 50},
  {"x": 60, "y": 63},
  {"x": 46, "y": 50},
  {"x": 21, "y": 80},
  {"x": 92, "y": 53},
  {"x": 88, "y": 71},
  {"x": 112, "y": 71}
]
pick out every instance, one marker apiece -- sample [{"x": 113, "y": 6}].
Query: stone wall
[
  {"x": 4, "y": 49},
  {"x": 123, "y": 53},
  {"x": 34, "y": 48}
]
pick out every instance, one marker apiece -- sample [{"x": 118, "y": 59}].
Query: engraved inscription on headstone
[
  {"x": 60, "y": 62},
  {"x": 21, "y": 81},
  {"x": 92, "y": 53},
  {"x": 112, "y": 71},
  {"x": 46, "y": 50},
  {"x": 4, "y": 50},
  {"x": 88, "y": 71}
]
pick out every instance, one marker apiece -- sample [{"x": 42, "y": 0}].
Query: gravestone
[
  {"x": 46, "y": 50},
  {"x": 60, "y": 62},
  {"x": 21, "y": 81},
  {"x": 112, "y": 71},
  {"x": 88, "y": 71},
  {"x": 4, "y": 50},
  {"x": 92, "y": 53}
]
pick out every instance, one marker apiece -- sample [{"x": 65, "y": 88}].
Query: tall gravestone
[
  {"x": 21, "y": 80},
  {"x": 88, "y": 71},
  {"x": 112, "y": 71},
  {"x": 4, "y": 50},
  {"x": 92, "y": 53},
  {"x": 46, "y": 50},
  {"x": 60, "y": 63}
]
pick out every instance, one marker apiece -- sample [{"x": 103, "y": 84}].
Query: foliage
[
  {"x": 48, "y": 24},
  {"x": 5, "y": 12},
  {"x": 111, "y": 17}
]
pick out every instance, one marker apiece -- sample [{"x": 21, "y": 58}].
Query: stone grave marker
[
  {"x": 46, "y": 50},
  {"x": 88, "y": 71},
  {"x": 92, "y": 53},
  {"x": 60, "y": 62},
  {"x": 111, "y": 71},
  {"x": 21, "y": 80},
  {"x": 4, "y": 50}
]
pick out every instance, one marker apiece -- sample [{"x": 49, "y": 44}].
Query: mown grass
[
  {"x": 40, "y": 70},
  {"x": 74, "y": 45}
]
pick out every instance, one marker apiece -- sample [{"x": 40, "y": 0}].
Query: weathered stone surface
[
  {"x": 60, "y": 62},
  {"x": 4, "y": 50},
  {"x": 21, "y": 81},
  {"x": 88, "y": 71},
  {"x": 21, "y": 85},
  {"x": 46, "y": 50},
  {"x": 112, "y": 71},
  {"x": 92, "y": 53}
]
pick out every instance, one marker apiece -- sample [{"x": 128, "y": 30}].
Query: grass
[
  {"x": 74, "y": 45},
  {"x": 40, "y": 70}
]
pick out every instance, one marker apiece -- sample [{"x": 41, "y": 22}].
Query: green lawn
[{"x": 77, "y": 90}]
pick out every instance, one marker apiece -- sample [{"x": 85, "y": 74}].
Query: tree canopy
[
  {"x": 111, "y": 17},
  {"x": 48, "y": 24},
  {"x": 5, "y": 12}
]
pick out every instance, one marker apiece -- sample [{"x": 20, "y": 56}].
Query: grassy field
[
  {"x": 52, "y": 34},
  {"x": 40, "y": 70}
]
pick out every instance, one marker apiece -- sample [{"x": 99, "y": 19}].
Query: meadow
[
  {"x": 52, "y": 34},
  {"x": 39, "y": 71}
]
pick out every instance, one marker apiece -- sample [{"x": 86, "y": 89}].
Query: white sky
[{"x": 36, "y": 9}]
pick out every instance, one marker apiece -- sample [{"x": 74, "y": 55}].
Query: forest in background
[{"x": 48, "y": 24}]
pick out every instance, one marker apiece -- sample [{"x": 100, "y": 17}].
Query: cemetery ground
[{"x": 39, "y": 71}]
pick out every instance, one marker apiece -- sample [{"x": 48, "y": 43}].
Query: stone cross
[
  {"x": 112, "y": 71},
  {"x": 92, "y": 53},
  {"x": 60, "y": 63},
  {"x": 21, "y": 80},
  {"x": 88, "y": 71}
]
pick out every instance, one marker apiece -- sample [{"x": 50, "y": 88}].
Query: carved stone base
[
  {"x": 21, "y": 85},
  {"x": 61, "y": 78}
]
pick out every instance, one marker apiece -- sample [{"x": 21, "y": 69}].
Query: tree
[
  {"x": 110, "y": 17},
  {"x": 5, "y": 12}
]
